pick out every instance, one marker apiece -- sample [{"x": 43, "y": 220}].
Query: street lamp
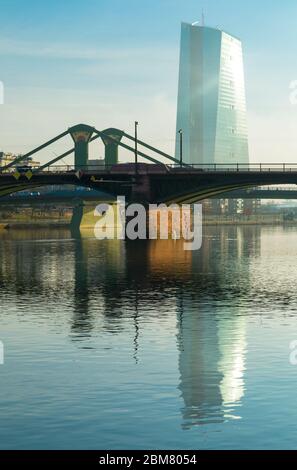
[
  {"x": 136, "y": 149},
  {"x": 180, "y": 146}
]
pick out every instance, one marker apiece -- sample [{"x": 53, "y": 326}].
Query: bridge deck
[{"x": 151, "y": 183}]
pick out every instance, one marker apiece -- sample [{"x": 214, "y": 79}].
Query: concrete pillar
[
  {"x": 85, "y": 219},
  {"x": 111, "y": 145},
  {"x": 81, "y": 135}
]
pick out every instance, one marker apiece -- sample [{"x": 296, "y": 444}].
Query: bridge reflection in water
[{"x": 116, "y": 285}]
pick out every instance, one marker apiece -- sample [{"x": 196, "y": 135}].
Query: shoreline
[{"x": 15, "y": 225}]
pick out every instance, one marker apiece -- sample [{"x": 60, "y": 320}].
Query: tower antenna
[{"x": 202, "y": 18}]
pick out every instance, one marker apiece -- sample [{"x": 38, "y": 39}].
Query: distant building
[
  {"x": 7, "y": 158},
  {"x": 95, "y": 165},
  {"x": 211, "y": 108}
]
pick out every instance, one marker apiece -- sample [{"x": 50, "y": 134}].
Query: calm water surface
[{"x": 143, "y": 345}]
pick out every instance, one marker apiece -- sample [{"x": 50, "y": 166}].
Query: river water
[{"x": 120, "y": 345}]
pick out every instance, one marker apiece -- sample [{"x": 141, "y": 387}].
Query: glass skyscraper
[{"x": 211, "y": 108}]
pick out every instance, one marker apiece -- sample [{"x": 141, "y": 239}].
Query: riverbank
[
  {"x": 260, "y": 219},
  {"x": 64, "y": 220},
  {"x": 35, "y": 224},
  {"x": 37, "y": 218}
]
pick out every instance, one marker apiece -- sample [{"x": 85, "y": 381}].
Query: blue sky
[{"x": 109, "y": 62}]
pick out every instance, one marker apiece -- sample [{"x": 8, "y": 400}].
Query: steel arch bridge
[{"x": 153, "y": 181}]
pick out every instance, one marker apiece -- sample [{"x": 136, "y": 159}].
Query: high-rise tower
[{"x": 211, "y": 108}]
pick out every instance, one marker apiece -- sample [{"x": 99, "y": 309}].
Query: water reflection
[
  {"x": 115, "y": 286},
  {"x": 212, "y": 340},
  {"x": 82, "y": 322}
]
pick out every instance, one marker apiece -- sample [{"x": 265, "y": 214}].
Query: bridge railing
[
  {"x": 218, "y": 167},
  {"x": 246, "y": 167},
  {"x": 128, "y": 166}
]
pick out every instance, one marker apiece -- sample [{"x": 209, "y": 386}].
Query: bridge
[
  {"x": 152, "y": 182},
  {"x": 73, "y": 196}
]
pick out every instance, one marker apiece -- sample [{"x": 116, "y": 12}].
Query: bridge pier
[
  {"x": 111, "y": 140},
  {"x": 142, "y": 189},
  {"x": 81, "y": 135},
  {"x": 160, "y": 222},
  {"x": 85, "y": 218}
]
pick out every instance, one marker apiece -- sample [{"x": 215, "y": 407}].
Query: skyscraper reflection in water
[{"x": 212, "y": 342}]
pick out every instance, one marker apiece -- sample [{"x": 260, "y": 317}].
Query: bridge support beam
[
  {"x": 85, "y": 217},
  {"x": 112, "y": 145},
  {"x": 81, "y": 135}
]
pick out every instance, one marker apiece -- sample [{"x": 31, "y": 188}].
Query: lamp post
[
  {"x": 180, "y": 147},
  {"x": 136, "y": 148}
]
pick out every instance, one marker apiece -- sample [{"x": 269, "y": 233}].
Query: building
[
  {"x": 7, "y": 158},
  {"x": 211, "y": 108}
]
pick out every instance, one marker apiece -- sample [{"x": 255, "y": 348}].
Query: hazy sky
[{"x": 110, "y": 62}]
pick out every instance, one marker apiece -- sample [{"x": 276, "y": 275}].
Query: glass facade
[{"x": 211, "y": 108}]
